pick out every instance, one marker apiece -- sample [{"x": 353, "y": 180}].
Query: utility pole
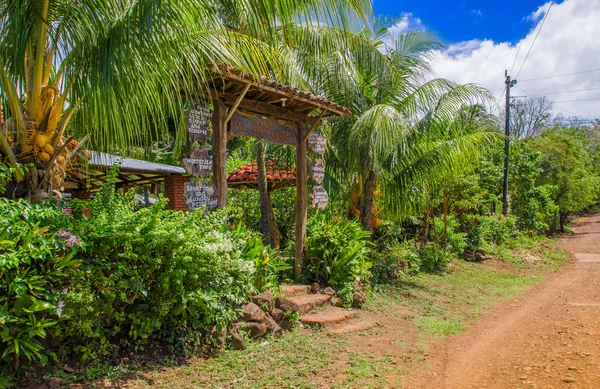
[{"x": 509, "y": 84}]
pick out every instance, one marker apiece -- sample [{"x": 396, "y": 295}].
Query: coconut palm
[
  {"x": 403, "y": 131},
  {"x": 114, "y": 69}
]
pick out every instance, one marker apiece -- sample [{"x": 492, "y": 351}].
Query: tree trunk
[
  {"x": 275, "y": 234},
  {"x": 266, "y": 208},
  {"x": 446, "y": 208},
  {"x": 425, "y": 229},
  {"x": 301, "y": 201},
  {"x": 219, "y": 139},
  {"x": 563, "y": 221},
  {"x": 368, "y": 202}
]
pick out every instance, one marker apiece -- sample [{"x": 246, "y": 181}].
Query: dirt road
[{"x": 548, "y": 337}]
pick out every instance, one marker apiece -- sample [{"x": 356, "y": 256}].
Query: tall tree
[
  {"x": 530, "y": 116},
  {"x": 566, "y": 164},
  {"x": 403, "y": 131}
]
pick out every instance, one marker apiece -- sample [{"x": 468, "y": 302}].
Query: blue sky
[
  {"x": 552, "y": 48},
  {"x": 456, "y": 21}
]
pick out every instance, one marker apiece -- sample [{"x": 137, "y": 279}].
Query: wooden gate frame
[{"x": 233, "y": 90}]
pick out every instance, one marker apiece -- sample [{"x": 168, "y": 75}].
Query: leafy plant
[
  {"x": 336, "y": 251},
  {"x": 266, "y": 262},
  {"x": 35, "y": 265},
  {"x": 496, "y": 230}
]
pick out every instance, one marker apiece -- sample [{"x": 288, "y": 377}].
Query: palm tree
[
  {"x": 113, "y": 69},
  {"x": 403, "y": 131}
]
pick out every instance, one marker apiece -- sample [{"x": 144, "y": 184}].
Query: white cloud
[
  {"x": 404, "y": 24},
  {"x": 476, "y": 12},
  {"x": 569, "y": 42}
]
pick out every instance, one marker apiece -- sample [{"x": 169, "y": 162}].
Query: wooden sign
[
  {"x": 317, "y": 171},
  {"x": 268, "y": 129},
  {"x": 199, "y": 164},
  {"x": 65, "y": 203},
  {"x": 198, "y": 123},
  {"x": 199, "y": 194},
  {"x": 317, "y": 143},
  {"x": 319, "y": 198}
]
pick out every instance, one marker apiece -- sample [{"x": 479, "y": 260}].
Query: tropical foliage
[
  {"x": 118, "y": 70},
  {"x": 414, "y": 174}
]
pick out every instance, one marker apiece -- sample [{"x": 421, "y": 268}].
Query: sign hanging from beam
[
  {"x": 198, "y": 123},
  {"x": 260, "y": 128}
]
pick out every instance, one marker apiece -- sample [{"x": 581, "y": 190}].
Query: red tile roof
[{"x": 249, "y": 174}]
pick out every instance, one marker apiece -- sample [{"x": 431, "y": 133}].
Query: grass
[
  {"x": 434, "y": 326},
  {"x": 417, "y": 313}
]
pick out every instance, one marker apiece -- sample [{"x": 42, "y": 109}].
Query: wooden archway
[{"x": 246, "y": 106}]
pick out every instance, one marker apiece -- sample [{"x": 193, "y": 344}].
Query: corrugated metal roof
[{"x": 108, "y": 160}]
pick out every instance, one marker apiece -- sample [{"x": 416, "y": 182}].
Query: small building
[{"x": 132, "y": 173}]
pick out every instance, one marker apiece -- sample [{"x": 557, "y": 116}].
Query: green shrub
[
  {"x": 397, "y": 260},
  {"x": 157, "y": 274},
  {"x": 243, "y": 206},
  {"x": 36, "y": 263},
  {"x": 482, "y": 230},
  {"x": 336, "y": 252},
  {"x": 453, "y": 239},
  {"x": 434, "y": 258}
]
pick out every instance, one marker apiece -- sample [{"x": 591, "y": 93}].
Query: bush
[
  {"x": 434, "y": 258},
  {"x": 157, "y": 274},
  {"x": 119, "y": 279},
  {"x": 482, "y": 230},
  {"x": 336, "y": 251},
  {"x": 397, "y": 260},
  {"x": 456, "y": 240},
  {"x": 36, "y": 263},
  {"x": 243, "y": 206}
]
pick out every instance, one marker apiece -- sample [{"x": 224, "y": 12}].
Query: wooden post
[
  {"x": 219, "y": 139},
  {"x": 301, "y": 199}
]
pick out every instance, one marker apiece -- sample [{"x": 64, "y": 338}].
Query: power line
[
  {"x": 553, "y": 103},
  {"x": 561, "y": 75},
  {"x": 560, "y": 93},
  {"x": 535, "y": 38},
  {"x": 576, "y": 101}
]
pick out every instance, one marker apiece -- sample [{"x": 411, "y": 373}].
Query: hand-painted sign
[
  {"x": 198, "y": 123},
  {"x": 317, "y": 143},
  {"x": 199, "y": 164},
  {"x": 65, "y": 203},
  {"x": 199, "y": 194},
  {"x": 319, "y": 198},
  {"x": 317, "y": 171},
  {"x": 268, "y": 129}
]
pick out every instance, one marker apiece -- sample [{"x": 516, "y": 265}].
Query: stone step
[
  {"x": 293, "y": 290},
  {"x": 328, "y": 316},
  {"x": 302, "y": 303},
  {"x": 356, "y": 326}
]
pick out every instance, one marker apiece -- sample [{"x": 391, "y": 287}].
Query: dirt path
[{"x": 548, "y": 337}]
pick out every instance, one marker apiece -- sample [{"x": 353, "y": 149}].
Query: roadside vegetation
[{"x": 143, "y": 294}]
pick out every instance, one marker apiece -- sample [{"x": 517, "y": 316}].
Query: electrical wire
[
  {"x": 535, "y": 38},
  {"x": 576, "y": 101},
  {"x": 553, "y": 103},
  {"x": 560, "y": 75},
  {"x": 560, "y": 93}
]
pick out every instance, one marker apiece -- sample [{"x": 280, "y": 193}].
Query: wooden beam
[
  {"x": 219, "y": 147},
  {"x": 235, "y": 77},
  {"x": 258, "y": 107},
  {"x": 312, "y": 127},
  {"x": 301, "y": 200},
  {"x": 236, "y": 104},
  {"x": 279, "y": 100}
]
